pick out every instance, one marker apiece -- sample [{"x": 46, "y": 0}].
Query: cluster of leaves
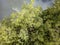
[
  {"x": 51, "y": 21},
  {"x": 32, "y": 26}
]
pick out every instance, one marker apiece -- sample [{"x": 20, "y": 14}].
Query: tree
[
  {"x": 21, "y": 27},
  {"x": 51, "y": 19},
  {"x": 32, "y": 26}
]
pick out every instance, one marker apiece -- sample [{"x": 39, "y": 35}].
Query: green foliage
[
  {"x": 32, "y": 26},
  {"x": 51, "y": 19}
]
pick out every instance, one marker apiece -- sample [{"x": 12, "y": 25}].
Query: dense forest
[{"x": 32, "y": 26}]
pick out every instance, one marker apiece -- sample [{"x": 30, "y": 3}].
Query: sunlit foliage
[{"x": 32, "y": 26}]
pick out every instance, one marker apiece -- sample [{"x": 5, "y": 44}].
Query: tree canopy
[{"x": 32, "y": 26}]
